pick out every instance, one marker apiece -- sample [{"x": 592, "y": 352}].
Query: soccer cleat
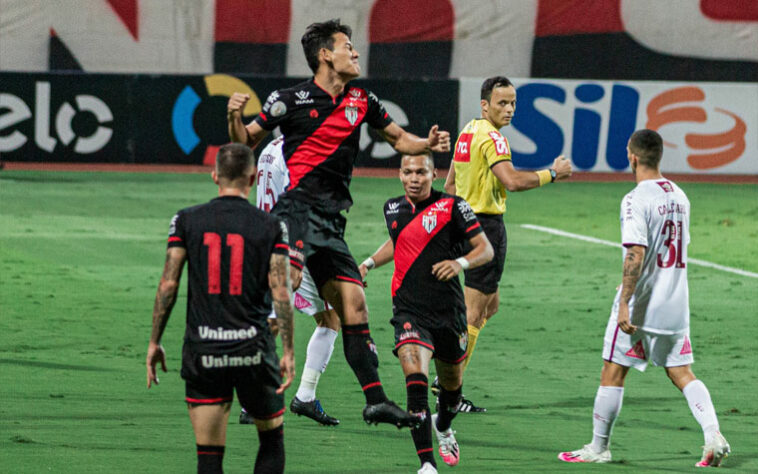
[
  {"x": 586, "y": 454},
  {"x": 246, "y": 418},
  {"x": 448, "y": 446},
  {"x": 312, "y": 410},
  {"x": 427, "y": 468},
  {"x": 436, "y": 387},
  {"x": 467, "y": 406},
  {"x": 389, "y": 412},
  {"x": 714, "y": 451}
]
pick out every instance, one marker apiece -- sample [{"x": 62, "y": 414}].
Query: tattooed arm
[
  {"x": 164, "y": 302},
  {"x": 635, "y": 255},
  {"x": 281, "y": 290}
]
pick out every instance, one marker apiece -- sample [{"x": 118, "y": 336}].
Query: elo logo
[
  {"x": 188, "y": 100},
  {"x": 615, "y": 114},
  {"x": 719, "y": 149}
]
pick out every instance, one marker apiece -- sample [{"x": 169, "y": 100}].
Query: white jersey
[
  {"x": 273, "y": 177},
  {"x": 656, "y": 214}
]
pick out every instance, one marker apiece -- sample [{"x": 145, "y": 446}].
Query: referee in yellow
[{"x": 481, "y": 173}]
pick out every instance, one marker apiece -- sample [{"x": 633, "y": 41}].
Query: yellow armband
[{"x": 544, "y": 176}]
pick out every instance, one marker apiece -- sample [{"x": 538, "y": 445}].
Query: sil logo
[
  {"x": 183, "y": 113},
  {"x": 705, "y": 151}
]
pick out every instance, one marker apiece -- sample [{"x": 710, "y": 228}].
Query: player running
[
  {"x": 321, "y": 120},
  {"x": 480, "y": 173},
  {"x": 272, "y": 181},
  {"x": 236, "y": 255},
  {"x": 650, "y": 318},
  {"x": 427, "y": 231}
]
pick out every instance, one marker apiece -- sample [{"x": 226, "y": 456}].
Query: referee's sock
[
  {"x": 210, "y": 459},
  {"x": 473, "y": 335},
  {"x": 449, "y": 400},
  {"x": 417, "y": 388},
  {"x": 360, "y": 352},
  {"x": 270, "y": 459}
]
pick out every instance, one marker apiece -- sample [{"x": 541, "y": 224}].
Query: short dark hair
[
  {"x": 648, "y": 146},
  {"x": 233, "y": 161},
  {"x": 320, "y": 35},
  {"x": 428, "y": 155},
  {"x": 491, "y": 83}
]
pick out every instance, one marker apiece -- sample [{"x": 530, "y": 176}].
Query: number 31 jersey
[
  {"x": 229, "y": 243},
  {"x": 656, "y": 214}
]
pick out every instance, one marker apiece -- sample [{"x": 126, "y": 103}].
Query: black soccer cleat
[
  {"x": 389, "y": 412},
  {"x": 246, "y": 418},
  {"x": 312, "y": 410},
  {"x": 467, "y": 406}
]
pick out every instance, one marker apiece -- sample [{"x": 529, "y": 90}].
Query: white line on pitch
[{"x": 593, "y": 240}]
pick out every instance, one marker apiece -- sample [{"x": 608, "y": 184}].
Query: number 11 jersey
[{"x": 656, "y": 215}]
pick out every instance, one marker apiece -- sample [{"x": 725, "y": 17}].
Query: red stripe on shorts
[{"x": 208, "y": 400}]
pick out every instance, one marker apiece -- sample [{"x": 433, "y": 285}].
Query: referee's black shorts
[{"x": 487, "y": 277}]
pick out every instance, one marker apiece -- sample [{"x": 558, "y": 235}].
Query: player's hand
[
  {"x": 446, "y": 270},
  {"x": 623, "y": 320},
  {"x": 287, "y": 370},
  {"x": 155, "y": 354},
  {"x": 562, "y": 167},
  {"x": 439, "y": 141},
  {"x": 236, "y": 103},
  {"x": 364, "y": 271},
  {"x": 296, "y": 277}
]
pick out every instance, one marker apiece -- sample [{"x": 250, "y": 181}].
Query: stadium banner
[
  {"x": 172, "y": 119},
  {"x": 707, "y": 128}
]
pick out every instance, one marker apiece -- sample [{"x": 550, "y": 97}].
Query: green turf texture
[{"x": 80, "y": 259}]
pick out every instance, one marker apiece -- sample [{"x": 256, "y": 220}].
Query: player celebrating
[
  {"x": 321, "y": 120},
  {"x": 650, "y": 318},
  {"x": 427, "y": 230},
  {"x": 273, "y": 179},
  {"x": 236, "y": 254},
  {"x": 480, "y": 174}
]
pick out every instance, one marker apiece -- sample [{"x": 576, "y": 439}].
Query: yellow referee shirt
[{"x": 479, "y": 147}]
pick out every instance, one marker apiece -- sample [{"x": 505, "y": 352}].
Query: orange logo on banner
[{"x": 724, "y": 147}]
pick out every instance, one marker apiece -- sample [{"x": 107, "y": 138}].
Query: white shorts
[
  {"x": 636, "y": 350},
  {"x": 307, "y": 300}
]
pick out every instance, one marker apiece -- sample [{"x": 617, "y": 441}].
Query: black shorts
[
  {"x": 212, "y": 376},
  {"x": 447, "y": 337},
  {"x": 487, "y": 277},
  {"x": 318, "y": 238}
]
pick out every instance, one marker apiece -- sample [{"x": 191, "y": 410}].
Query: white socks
[
  {"x": 607, "y": 407},
  {"x": 701, "y": 405},
  {"x": 319, "y": 352}
]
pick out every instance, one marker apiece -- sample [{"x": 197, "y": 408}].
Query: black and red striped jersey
[
  {"x": 423, "y": 234},
  {"x": 229, "y": 243},
  {"x": 321, "y": 138}
]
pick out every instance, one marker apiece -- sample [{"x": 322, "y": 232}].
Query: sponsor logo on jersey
[
  {"x": 465, "y": 209},
  {"x": 302, "y": 98},
  {"x": 285, "y": 232},
  {"x": 440, "y": 206},
  {"x": 356, "y": 93},
  {"x": 172, "y": 226},
  {"x": 223, "y": 334},
  {"x": 429, "y": 222},
  {"x": 351, "y": 113},
  {"x": 405, "y": 335},
  {"x": 271, "y": 99},
  {"x": 219, "y": 362},
  {"x": 393, "y": 208},
  {"x": 278, "y": 109}
]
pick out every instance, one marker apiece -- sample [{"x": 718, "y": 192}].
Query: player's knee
[
  {"x": 268, "y": 425},
  {"x": 328, "y": 319}
]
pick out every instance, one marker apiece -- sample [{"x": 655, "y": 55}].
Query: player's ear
[
  {"x": 214, "y": 176},
  {"x": 485, "y": 105}
]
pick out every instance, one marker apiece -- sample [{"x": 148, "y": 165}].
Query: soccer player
[
  {"x": 650, "y": 317},
  {"x": 236, "y": 254},
  {"x": 272, "y": 181},
  {"x": 427, "y": 231},
  {"x": 481, "y": 173},
  {"x": 321, "y": 120}
]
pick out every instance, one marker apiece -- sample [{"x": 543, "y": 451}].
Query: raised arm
[
  {"x": 516, "y": 180},
  {"x": 252, "y": 134},
  {"x": 635, "y": 255},
  {"x": 410, "y": 144},
  {"x": 480, "y": 254},
  {"x": 165, "y": 298},
  {"x": 450, "y": 180},
  {"x": 383, "y": 255},
  {"x": 281, "y": 291}
]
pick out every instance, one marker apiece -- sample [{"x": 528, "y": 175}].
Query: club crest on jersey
[
  {"x": 351, "y": 113},
  {"x": 429, "y": 222}
]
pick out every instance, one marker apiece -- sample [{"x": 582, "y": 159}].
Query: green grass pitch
[{"x": 80, "y": 259}]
